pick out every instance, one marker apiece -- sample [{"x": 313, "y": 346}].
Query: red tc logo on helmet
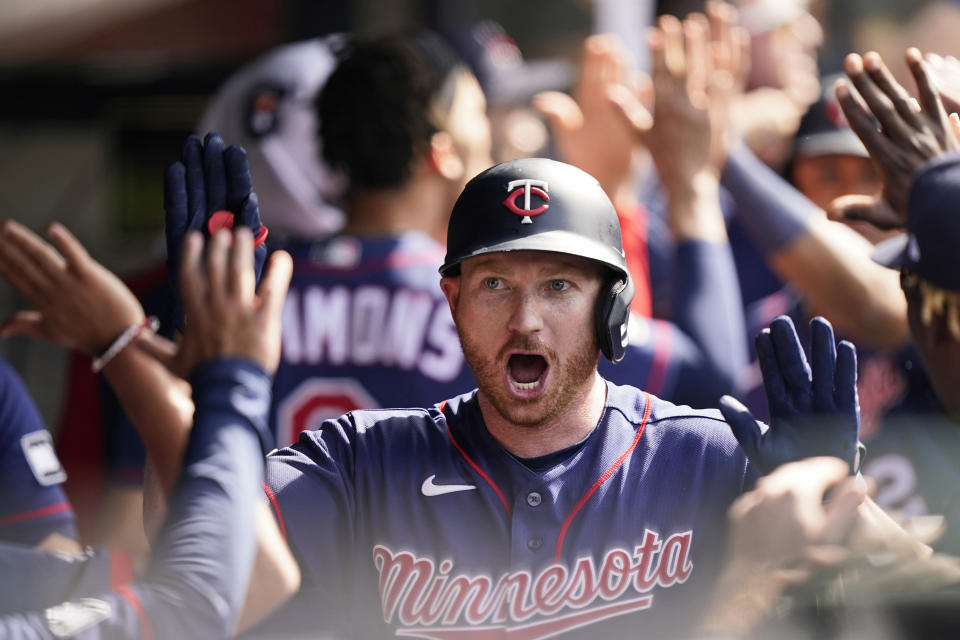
[{"x": 525, "y": 187}]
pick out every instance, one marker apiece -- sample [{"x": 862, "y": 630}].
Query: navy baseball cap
[
  {"x": 824, "y": 130},
  {"x": 505, "y": 76},
  {"x": 929, "y": 248}
]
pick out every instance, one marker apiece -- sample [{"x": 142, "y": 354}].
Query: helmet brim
[{"x": 565, "y": 242}]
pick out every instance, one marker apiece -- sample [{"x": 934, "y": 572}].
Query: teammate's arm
[
  {"x": 196, "y": 584},
  {"x": 590, "y": 134},
  {"x": 828, "y": 263},
  {"x": 79, "y": 304},
  {"x": 775, "y": 533},
  {"x": 692, "y": 83}
]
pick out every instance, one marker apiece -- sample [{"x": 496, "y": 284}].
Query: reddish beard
[{"x": 569, "y": 379}]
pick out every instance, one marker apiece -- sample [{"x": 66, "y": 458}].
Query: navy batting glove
[
  {"x": 813, "y": 407},
  {"x": 209, "y": 189}
]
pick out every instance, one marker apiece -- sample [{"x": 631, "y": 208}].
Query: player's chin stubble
[{"x": 568, "y": 383}]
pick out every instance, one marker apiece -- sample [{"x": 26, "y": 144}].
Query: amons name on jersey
[
  {"x": 371, "y": 325},
  {"x": 417, "y": 592}
]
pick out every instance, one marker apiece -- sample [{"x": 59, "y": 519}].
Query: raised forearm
[
  {"x": 159, "y": 406},
  {"x": 830, "y": 266},
  {"x": 826, "y": 262},
  {"x": 694, "y": 210}
]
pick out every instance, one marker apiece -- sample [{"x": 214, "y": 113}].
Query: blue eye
[
  {"x": 559, "y": 285},
  {"x": 492, "y": 283}
]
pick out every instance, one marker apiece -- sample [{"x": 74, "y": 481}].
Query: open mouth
[{"x": 526, "y": 371}]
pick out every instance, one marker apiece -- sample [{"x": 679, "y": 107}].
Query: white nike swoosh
[{"x": 430, "y": 489}]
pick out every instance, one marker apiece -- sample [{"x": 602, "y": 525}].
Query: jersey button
[
  {"x": 534, "y": 543},
  {"x": 534, "y": 499}
]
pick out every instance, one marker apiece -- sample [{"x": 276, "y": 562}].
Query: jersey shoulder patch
[{"x": 38, "y": 450}]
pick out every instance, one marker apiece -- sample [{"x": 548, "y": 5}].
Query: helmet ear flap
[{"x": 613, "y": 313}]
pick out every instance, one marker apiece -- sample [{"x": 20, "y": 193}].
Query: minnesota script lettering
[{"x": 431, "y": 601}]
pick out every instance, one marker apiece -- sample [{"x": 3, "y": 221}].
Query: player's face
[
  {"x": 526, "y": 323},
  {"x": 825, "y": 178}
]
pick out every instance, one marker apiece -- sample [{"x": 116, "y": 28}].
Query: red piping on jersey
[
  {"x": 276, "y": 510},
  {"x": 121, "y": 569},
  {"x": 36, "y": 513},
  {"x": 128, "y": 594},
  {"x": 474, "y": 466},
  {"x": 606, "y": 475},
  {"x": 661, "y": 354}
]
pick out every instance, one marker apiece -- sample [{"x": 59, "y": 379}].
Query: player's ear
[
  {"x": 451, "y": 289},
  {"x": 443, "y": 158}
]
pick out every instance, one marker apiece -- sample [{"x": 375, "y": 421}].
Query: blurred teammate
[
  {"x": 365, "y": 325},
  {"x": 704, "y": 333},
  {"x": 267, "y": 107},
  {"x": 916, "y": 154},
  {"x": 196, "y": 582}
]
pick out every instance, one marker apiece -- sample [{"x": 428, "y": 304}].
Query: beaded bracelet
[{"x": 123, "y": 340}]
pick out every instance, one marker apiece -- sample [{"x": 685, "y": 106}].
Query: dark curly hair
[{"x": 383, "y": 102}]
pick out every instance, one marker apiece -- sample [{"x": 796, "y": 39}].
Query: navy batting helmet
[{"x": 536, "y": 204}]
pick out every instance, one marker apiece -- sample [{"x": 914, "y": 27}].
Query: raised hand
[
  {"x": 911, "y": 133},
  {"x": 77, "y": 303},
  {"x": 587, "y": 130},
  {"x": 796, "y": 522},
  {"x": 813, "y": 407},
  {"x": 208, "y": 189},
  {"x": 229, "y": 315},
  {"x": 696, "y": 65}
]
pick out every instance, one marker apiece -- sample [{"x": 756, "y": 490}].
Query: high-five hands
[
  {"x": 210, "y": 188},
  {"x": 230, "y": 316},
  {"x": 77, "y": 303},
  {"x": 813, "y": 407},
  {"x": 698, "y": 66},
  {"x": 586, "y": 128},
  {"x": 912, "y": 132}
]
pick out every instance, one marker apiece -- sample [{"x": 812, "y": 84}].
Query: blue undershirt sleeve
[
  {"x": 772, "y": 212},
  {"x": 197, "y": 581}
]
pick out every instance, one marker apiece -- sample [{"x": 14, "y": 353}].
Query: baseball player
[
  {"x": 267, "y": 107},
  {"x": 365, "y": 324},
  {"x": 548, "y": 500},
  {"x": 916, "y": 461},
  {"x": 195, "y": 585}
]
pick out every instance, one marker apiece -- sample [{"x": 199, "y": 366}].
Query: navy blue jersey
[
  {"x": 365, "y": 325},
  {"x": 32, "y": 504},
  {"x": 196, "y": 583},
  {"x": 418, "y": 523}
]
